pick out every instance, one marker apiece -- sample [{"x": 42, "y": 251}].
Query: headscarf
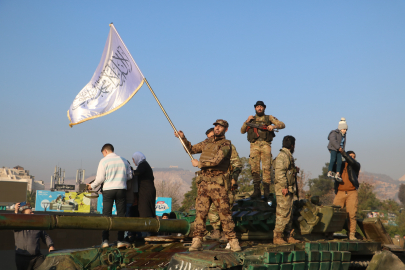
[{"x": 138, "y": 158}]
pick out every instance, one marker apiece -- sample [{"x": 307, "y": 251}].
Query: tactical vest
[
  {"x": 210, "y": 150},
  {"x": 266, "y": 136},
  {"x": 291, "y": 171}
]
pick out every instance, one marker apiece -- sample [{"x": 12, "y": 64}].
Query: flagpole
[
  {"x": 153, "y": 93},
  {"x": 167, "y": 116}
]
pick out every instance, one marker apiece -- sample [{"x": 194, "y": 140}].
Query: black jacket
[
  {"x": 147, "y": 190},
  {"x": 27, "y": 241},
  {"x": 353, "y": 170}
]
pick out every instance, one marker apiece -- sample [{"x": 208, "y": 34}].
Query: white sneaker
[
  {"x": 337, "y": 178},
  {"x": 105, "y": 244},
  {"x": 330, "y": 175}
]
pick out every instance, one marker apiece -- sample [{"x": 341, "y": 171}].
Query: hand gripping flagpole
[{"x": 154, "y": 95}]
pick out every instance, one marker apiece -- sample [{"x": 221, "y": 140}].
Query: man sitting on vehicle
[{"x": 27, "y": 246}]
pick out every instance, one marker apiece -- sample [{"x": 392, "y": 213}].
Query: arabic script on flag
[{"x": 115, "y": 81}]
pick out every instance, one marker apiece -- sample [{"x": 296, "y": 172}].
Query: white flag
[{"x": 115, "y": 82}]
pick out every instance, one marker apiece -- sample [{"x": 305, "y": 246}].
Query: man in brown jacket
[{"x": 346, "y": 192}]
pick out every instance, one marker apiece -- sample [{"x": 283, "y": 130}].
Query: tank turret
[{"x": 314, "y": 224}]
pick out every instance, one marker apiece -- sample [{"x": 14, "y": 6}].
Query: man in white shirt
[{"x": 113, "y": 172}]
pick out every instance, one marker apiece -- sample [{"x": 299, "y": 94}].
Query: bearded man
[
  {"x": 231, "y": 185},
  {"x": 260, "y": 147},
  {"x": 214, "y": 163},
  {"x": 285, "y": 177}
]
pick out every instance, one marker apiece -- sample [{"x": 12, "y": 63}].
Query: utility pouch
[
  {"x": 199, "y": 179},
  {"x": 220, "y": 179},
  {"x": 290, "y": 177},
  {"x": 228, "y": 184}
]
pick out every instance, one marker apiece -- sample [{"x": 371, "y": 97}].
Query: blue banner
[
  {"x": 163, "y": 205},
  {"x": 100, "y": 205}
]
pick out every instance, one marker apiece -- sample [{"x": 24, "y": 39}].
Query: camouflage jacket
[
  {"x": 224, "y": 152},
  {"x": 284, "y": 169},
  {"x": 235, "y": 160},
  {"x": 277, "y": 123}
]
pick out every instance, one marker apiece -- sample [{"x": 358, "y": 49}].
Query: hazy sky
[{"x": 311, "y": 62}]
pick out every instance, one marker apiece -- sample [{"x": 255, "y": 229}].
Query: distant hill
[
  {"x": 384, "y": 186},
  {"x": 175, "y": 177}
]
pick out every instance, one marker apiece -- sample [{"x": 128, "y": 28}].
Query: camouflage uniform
[
  {"x": 260, "y": 148},
  {"x": 236, "y": 164},
  {"x": 284, "y": 178},
  {"x": 211, "y": 184}
]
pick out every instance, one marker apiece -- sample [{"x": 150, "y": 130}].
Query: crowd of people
[
  {"x": 134, "y": 193},
  {"x": 219, "y": 173}
]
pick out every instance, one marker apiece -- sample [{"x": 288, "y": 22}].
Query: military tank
[{"x": 315, "y": 225}]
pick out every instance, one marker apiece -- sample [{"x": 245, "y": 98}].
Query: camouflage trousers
[
  {"x": 218, "y": 195},
  {"x": 213, "y": 215},
  {"x": 261, "y": 151},
  {"x": 284, "y": 213}
]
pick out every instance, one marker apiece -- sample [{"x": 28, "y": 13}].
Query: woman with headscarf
[{"x": 147, "y": 190}]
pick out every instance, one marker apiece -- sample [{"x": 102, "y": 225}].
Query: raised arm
[
  {"x": 277, "y": 123},
  {"x": 352, "y": 162},
  {"x": 194, "y": 149}
]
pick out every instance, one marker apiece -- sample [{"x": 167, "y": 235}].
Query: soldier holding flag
[{"x": 214, "y": 163}]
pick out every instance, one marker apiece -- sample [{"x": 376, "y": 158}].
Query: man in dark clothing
[
  {"x": 27, "y": 246},
  {"x": 346, "y": 191},
  {"x": 146, "y": 185}
]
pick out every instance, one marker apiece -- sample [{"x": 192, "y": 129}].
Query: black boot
[
  {"x": 256, "y": 182},
  {"x": 266, "y": 191},
  {"x": 256, "y": 193}
]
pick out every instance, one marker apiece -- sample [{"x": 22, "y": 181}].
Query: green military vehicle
[{"x": 315, "y": 225}]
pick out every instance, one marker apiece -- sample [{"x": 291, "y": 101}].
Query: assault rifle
[
  {"x": 296, "y": 186},
  {"x": 256, "y": 127},
  {"x": 296, "y": 172}
]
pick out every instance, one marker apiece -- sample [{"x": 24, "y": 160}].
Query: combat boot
[
  {"x": 223, "y": 238},
  {"x": 277, "y": 239},
  {"x": 288, "y": 237},
  {"x": 234, "y": 243},
  {"x": 266, "y": 191},
  {"x": 196, "y": 245},
  {"x": 256, "y": 182},
  {"x": 214, "y": 235},
  {"x": 352, "y": 236}
]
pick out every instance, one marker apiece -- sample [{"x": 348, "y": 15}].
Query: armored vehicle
[{"x": 315, "y": 225}]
